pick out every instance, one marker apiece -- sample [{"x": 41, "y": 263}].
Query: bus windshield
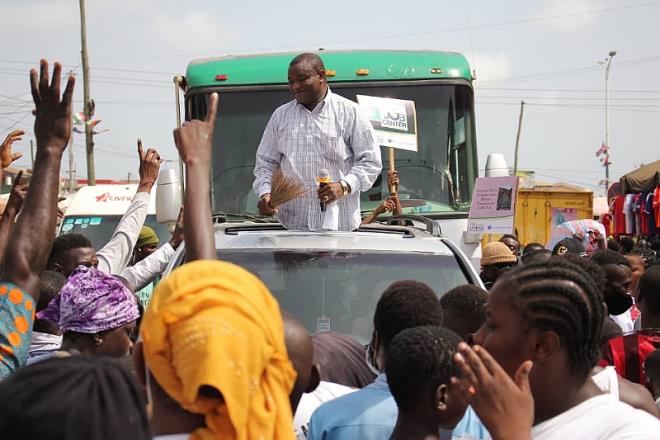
[
  {"x": 338, "y": 291},
  {"x": 436, "y": 179}
]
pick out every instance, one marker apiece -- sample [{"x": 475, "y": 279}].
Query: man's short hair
[
  {"x": 533, "y": 247},
  {"x": 403, "y": 305},
  {"x": 607, "y": 257},
  {"x": 419, "y": 360},
  {"x": 50, "y": 284},
  {"x": 67, "y": 242},
  {"x": 626, "y": 244},
  {"x": 313, "y": 59},
  {"x": 468, "y": 301},
  {"x": 649, "y": 288},
  {"x": 536, "y": 256},
  {"x": 652, "y": 364}
]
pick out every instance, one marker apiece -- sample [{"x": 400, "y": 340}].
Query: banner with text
[
  {"x": 394, "y": 120},
  {"x": 492, "y": 210}
]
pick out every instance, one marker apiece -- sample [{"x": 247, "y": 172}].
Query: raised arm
[
  {"x": 142, "y": 273},
  {"x": 30, "y": 243},
  {"x": 116, "y": 254},
  {"x": 13, "y": 207},
  {"x": 194, "y": 140}
]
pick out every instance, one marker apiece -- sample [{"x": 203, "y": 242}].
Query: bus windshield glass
[
  {"x": 338, "y": 291},
  {"x": 436, "y": 179}
]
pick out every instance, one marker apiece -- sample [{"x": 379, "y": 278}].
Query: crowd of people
[{"x": 558, "y": 347}]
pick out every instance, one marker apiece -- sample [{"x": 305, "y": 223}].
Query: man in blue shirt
[{"x": 371, "y": 413}]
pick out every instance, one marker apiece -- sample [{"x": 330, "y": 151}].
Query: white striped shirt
[{"x": 337, "y": 136}]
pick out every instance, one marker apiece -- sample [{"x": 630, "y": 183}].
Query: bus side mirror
[{"x": 168, "y": 196}]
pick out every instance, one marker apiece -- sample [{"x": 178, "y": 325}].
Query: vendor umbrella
[{"x": 585, "y": 230}]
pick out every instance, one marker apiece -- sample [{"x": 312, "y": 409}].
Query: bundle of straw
[{"x": 283, "y": 189}]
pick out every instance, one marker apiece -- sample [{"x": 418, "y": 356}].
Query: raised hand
[
  {"x": 52, "y": 124},
  {"x": 393, "y": 179},
  {"x": 194, "y": 139},
  {"x": 177, "y": 234},
  {"x": 504, "y": 405},
  {"x": 6, "y": 156},
  {"x": 17, "y": 195},
  {"x": 150, "y": 163}
]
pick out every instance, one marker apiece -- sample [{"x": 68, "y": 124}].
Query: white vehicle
[
  {"x": 95, "y": 211},
  {"x": 331, "y": 281}
]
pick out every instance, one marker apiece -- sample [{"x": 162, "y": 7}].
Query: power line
[{"x": 415, "y": 34}]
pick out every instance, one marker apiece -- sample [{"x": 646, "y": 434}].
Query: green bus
[{"x": 436, "y": 180}]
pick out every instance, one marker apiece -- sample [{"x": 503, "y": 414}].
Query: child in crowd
[{"x": 419, "y": 371}]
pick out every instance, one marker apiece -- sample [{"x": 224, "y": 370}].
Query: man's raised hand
[
  {"x": 194, "y": 139},
  {"x": 17, "y": 195},
  {"x": 6, "y": 156},
  {"x": 52, "y": 124},
  {"x": 149, "y": 165}
]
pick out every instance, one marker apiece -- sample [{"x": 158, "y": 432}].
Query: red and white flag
[{"x": 603, "y": 149}]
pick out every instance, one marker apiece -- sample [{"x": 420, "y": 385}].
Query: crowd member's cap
[
  {"x": 496, "y": 253},
  {"x": 91, "y": 301},
  {"x": 212, "y": 324},
  {"x": 147, "y": 237},
  {"x": 73, "y": 398},
  {"x": 569, "y": 245}
]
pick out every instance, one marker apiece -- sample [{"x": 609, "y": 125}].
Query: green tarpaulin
[{"x": 644, "y": 179}]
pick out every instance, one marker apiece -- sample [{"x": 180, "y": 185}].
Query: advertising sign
[
  {"x": 394, "y": 120},
  {"x": 492, "y": 210}
]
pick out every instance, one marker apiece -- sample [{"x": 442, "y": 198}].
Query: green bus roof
[{"x": 382, "y": 65}]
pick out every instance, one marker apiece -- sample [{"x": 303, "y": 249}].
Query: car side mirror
[{"x": 168, "y": 196}]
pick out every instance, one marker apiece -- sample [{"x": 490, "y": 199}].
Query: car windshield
[
  {"x": 99, "y": 228},
  {"x": 434, "y": 180},
  {"x": 338, "y": 291}
]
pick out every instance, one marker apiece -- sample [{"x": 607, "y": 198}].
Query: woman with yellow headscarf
[{"x": 212, "y": 327}]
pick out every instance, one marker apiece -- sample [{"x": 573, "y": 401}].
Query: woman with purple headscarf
[{"x": 95, "y": 312}]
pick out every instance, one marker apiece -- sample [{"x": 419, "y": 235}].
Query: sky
[{"x": 545, "y": 52}]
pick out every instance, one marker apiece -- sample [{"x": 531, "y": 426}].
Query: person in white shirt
[
  {"x": 317, "y": 130},
  {"x": 309, "y": 402},
  {"x": 543, "y": 323},
  {"x": 71, "y": 252}
]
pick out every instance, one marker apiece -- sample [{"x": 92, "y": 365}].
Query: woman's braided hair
[{"x": 560, "y": 296}]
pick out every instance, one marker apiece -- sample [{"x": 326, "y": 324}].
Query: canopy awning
[{"x": 644, "y": 179}]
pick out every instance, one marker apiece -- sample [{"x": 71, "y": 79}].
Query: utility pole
[
  {"x": 32, "y": 152},
  {"x": 88, "y": 102},
  {"x": 515, "y": 156},
  {"x": 606, "y": 64},
  {"x": 71, "y": 174}
]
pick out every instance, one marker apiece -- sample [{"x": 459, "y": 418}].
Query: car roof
[{"x": 377, "y": 238}]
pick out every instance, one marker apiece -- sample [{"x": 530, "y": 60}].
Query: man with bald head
[{"x": 317, "y": 130}]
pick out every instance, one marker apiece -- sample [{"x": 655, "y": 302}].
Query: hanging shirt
[
  {"x": 637, "y": 213},
  {"x": 628, "y": 212},
  {"x": 619, "y": 216},
  {"x": 648, "y": 213},
  {"x": 656, "y": 206},
  {"x": 335, "y": 135},
  {"x": 606, "y": 220}
]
